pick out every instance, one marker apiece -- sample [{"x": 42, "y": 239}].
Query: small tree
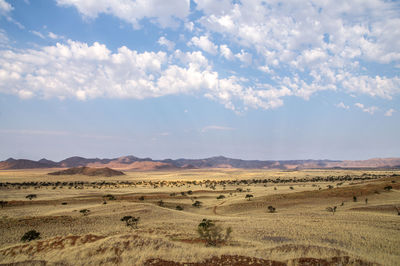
[
  {"x": 354, "y": 198},
  {"x": 398, "y": 210},
  {"x": 221, "y": 197},
  {"x": 212, "y": 233},
  {"x": 179, "y": 208},
  {"x": 131, "y": 221},
  {"x": 31, "y": 196},
  {"x": 366, "y": 200},
  {"x": 271, "y": 209},
  {"x": 331, "y": 209},
  {"x": 197, "y": 204},
  {"x": 30, "y": 235},
  {"x": 141, "y": 198},
  {"x": 85, "y": 212},
  {"x": 3, "y": 203},
  {"x": 388, "y": 188},
  {"x": 249, "y": 196}
]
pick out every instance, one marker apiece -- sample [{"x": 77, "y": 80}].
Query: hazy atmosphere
[{"x": 193, "y": 79}]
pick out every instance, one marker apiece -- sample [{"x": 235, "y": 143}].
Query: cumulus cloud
[
  {"x": 204, "y": 44},
  {"x": 5, "y": 8},
  {"x": 342, "y": 105},
  {"x": 81, "y": 71},
  {"x": 371, "y": 110},
  {"x": 167, "y": 43},
  {"x": 390, "y": 112},
  {"x": 163, "y": 13},
  {"x": 226, "y": 52}
]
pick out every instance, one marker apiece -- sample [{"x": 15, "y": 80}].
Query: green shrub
[
  {"x": 212, "y": 233},
  {"x": 30, "y": 235}
]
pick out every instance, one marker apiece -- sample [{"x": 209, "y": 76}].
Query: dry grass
[{"x": 301, "y": 232}]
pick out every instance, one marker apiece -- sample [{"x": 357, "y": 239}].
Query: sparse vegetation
[
  {"x": 3, "y": 203},
  {"x": 249, "y": 196},
  {"x": 179, "y": 208},
  {"x": 30, "y": 235},
  {"x": 388, "y": 188},
  {"x": 221, "y": 197},
  {"x": 85, "y": 212},
  {"x": 109, "y": 197},
  {"x": 271, "y": 209},
  {"x": 31, "y": 196},
  {"x": 197, "y": 204},
  {"x": 212, "y": 233},
  {"x": 331, "y": 209},
  {"x": 141, "y": 198},
  {"x": 131, "y": 221},
  {"x": 354, "y": 199}
]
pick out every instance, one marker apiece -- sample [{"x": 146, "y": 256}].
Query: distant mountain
[
  {"x": 105, "y": 171},
  {"x": 135, "y": 163}
]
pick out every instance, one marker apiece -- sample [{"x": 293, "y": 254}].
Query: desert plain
[{"x": 318, "y": 217}]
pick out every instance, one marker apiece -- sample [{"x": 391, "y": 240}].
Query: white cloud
[
  {"x": 164, "y": 13},
  {"x": 205, "y": 44},
  {"x": 38, "y": 34},
  {"x": 342, "y": 105},
  {"x": 81, "y": 71},
  {"x": 54, "y": 36},
  {"x": 390, "y": 112},
  {"x": 5, "y": 8},
  {"x": 371, "y": 110},
  {"x": 226, "y": 52},
  {"x": 218, "y": 128},
  {"x": 167, "y": 43},
  {"x": 244, "y": 57}
]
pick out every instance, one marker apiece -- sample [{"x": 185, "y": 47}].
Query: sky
[{"x": 268, "y": 80}]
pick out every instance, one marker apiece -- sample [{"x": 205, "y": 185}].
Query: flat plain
[{"x": 363, "y": 229}]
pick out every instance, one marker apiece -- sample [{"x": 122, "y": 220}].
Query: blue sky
[{"x": 171, "y": 79}]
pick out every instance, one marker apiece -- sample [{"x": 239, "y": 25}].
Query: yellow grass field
[{"x": 300, "y": 232}]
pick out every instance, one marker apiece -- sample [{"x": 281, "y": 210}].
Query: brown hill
[
  {"x": 89, "y": 171},
  {"x": 26, "y": 164}
]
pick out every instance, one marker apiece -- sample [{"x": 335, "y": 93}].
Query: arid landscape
[{"x": 277, "y": 217}]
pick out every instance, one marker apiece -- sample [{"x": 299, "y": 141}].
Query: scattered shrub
[
  {"x": 179, "y": 208},
  {"x": 109, "y": 197},
  {"x": 331, "y": 209},
  {"x": 354, "y": 198},
  {"x": 248, "y": 196},
  {"x": 160, "y": 203},
  {"x": 31, "y": 196},
  {"x": 131, "y": 221},
  {"x": 291, "y": 188},
  {"x": 190, "y": 192},
  {"x": 212, "y": 233},
  {"x": 221, "y": 197},
  {"x": 197, "y": 204},
  {"x": 271, "y": 209},
  {"x": 64, "y": 203},
  {"x": 141, "y": 198},
  {"x": 85, "y": 212},
  {"x": 30, "y": 235},
  {"x": 388, "y": 188},
  {"x": 3, "y": 203}
]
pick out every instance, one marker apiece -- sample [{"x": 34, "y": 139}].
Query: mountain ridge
[{"x": 131, "y": 162}]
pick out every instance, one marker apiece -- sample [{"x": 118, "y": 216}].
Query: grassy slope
[{"x": 300, "y": 228}]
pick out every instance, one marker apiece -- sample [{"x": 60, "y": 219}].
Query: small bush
[
  {"x": 221, "y": 197},
  {"x": 131, "y": 221},
  {"x": 190, "y": 192},
  {"x": 388, "y": 188},
  {"x": 31, "y": 196},
  {"x": 291, "y": 188},
  {"x": 179, "y": 208},
  {"x": 141, "y": 198},
  {"x": 85, "y": 212},
  {"x": 64, "y": 203},
  {"x": 197, "y": 204},
  {"x": 3, "y": 203},
  {"x": 109, "y": 197},
  {"x": 354, "y": 198},
  {"x": 160, "y": 203},
  {"x": 331, "y": 209},
  {"x": 30, "y": 235},
  {"x": 271, "y": 209},
  {"x": 248, "y": 196},
  {"x": 212, "y": 233}
]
